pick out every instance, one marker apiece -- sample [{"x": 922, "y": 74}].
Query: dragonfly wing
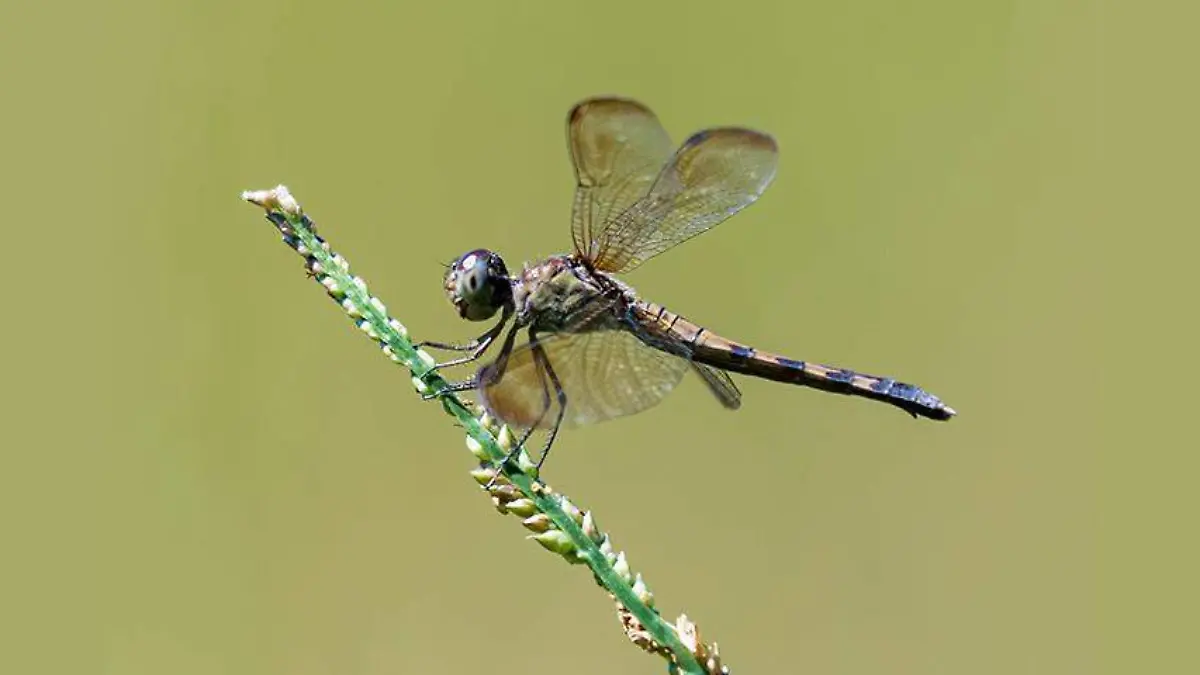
[
  {"x": 712, "y": 176},
  {"x": 721, "y": 385},
  {"x": 618, "y": 148},
  {"x": 605, "y": 374}
]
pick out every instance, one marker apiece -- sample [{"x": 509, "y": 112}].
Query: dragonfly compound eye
[{"x": 477, "y": 284}]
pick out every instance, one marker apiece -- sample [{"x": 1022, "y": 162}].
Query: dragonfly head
[{"x": 478, "y": 284}]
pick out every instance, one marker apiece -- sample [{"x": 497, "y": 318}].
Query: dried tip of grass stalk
[
  {"x": 276, "y": 199},
  {"x": 708, "y": 656}
]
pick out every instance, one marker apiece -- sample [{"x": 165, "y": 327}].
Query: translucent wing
[
  {"x": 618, "y": 148},
  {"x": 715, "y": 174},
  {"x": 604, "y": 374}
]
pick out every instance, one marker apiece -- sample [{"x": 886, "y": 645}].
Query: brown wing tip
[
  {"x": 742, "y": 135},
  {"x": 611, "y": 103},
  {"x": 764, "y": 140}
]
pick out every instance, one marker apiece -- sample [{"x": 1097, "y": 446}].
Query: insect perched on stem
[{"x": 594, "y": 350}]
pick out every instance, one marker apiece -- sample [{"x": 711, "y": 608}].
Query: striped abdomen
[{"x": 658, "y": 325}]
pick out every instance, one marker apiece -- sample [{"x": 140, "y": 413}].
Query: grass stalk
[{"x": 554, "y": 521}]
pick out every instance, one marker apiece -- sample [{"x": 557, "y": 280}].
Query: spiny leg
[
  {"x": 541, "y": 364},
  {"x": 539, "y": 354},
  {"x": 475, "y": 348},
  {"x": 474, "y": 381},
  {"x": 468, "y": 384}
]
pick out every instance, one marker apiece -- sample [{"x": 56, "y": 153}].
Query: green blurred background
[{"x": 207, "y": 470}]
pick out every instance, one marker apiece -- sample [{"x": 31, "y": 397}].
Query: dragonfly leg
[
  {"x": 548, "y": 378},
  {"x": 539, "y": 362},
  {"x": 452, "y": 388},
  {"x": 475, "y": 348},
  {"x": 520, "y": 444},
  {"x": 491, "y": 371},
  {"x": 449, "y": 346},
  {"x": 560, "y": 394}
]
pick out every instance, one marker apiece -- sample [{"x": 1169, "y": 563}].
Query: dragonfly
[{"x": 594, "y": 350}]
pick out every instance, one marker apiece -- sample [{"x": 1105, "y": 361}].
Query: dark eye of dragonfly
[{"x": 478, "y": 285}]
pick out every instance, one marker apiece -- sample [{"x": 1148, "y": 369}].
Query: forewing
[
  {"x": 618, "y": 148},
  {"x": 714, "y": 174},
  {"x": 604, "y": 374}
]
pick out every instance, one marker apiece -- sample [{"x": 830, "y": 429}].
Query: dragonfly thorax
[
  {"x": 562, "y": 294},
  {"x": 478, "y": 284}
]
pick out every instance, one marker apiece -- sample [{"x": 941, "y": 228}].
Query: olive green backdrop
[{"x": 205, "y": 469}]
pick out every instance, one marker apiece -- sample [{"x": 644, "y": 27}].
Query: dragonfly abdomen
[{"x": 709, "y": 348}]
